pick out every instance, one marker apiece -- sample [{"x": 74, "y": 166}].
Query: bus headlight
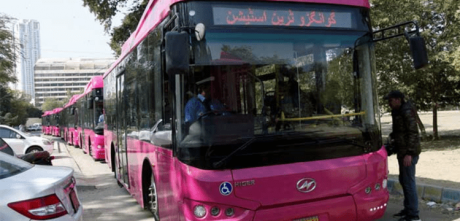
[{"x": 199, "y": 211}]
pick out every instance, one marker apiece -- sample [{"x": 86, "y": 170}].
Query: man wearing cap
[{"x": 407, "y": 142}]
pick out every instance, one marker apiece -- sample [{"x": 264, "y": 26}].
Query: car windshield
[{"x": 10, "y": 166}]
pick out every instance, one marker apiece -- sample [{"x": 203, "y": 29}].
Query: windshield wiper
[{"x": 242, "y": 147}]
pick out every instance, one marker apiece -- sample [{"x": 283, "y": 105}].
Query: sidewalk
[
  {"x": 63, "y": 158},
  {"x": 435, "y": 193},
  {"x": 437, "y": 176}
]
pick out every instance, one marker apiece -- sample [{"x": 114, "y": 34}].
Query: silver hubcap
[{"x": 153, "y": 199}]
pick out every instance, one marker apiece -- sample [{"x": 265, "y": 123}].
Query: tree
[
  {"x": 8, "y": 119},
  {"x": 51, "y": 104},
  {"x": 7, "y": 51},
  {"x": 22, "y": 108},
  {"x": 70, "y": 94},
  {"x": 33, "y": 111},
  {"x": 105, "y": 11},
  {"x": 436, "y": 85}
]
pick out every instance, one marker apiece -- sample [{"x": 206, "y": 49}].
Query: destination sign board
[{"x": 252, "y": 16}]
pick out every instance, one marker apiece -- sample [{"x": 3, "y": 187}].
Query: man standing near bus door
[{"x": 407, "y": 143}]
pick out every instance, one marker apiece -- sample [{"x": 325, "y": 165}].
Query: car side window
[
  {"x": 13, "y": 134},
  {"x": 4, "y": 133},
  {"x": 5, "y": 148}
]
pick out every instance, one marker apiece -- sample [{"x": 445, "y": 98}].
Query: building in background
[
  {"x": 54, "y": 77},
  {"x": 27, "y": 36}
]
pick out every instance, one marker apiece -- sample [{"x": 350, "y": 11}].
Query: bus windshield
[{"x": 263, "y": 97}]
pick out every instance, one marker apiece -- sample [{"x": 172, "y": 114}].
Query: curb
[{"x": 427, "y": 192}]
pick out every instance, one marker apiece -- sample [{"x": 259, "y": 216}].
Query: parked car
[
  {"x": 23, "y": 143},
  {"x": 35, "y": 192},
  {"x": 33, "y": 128}
]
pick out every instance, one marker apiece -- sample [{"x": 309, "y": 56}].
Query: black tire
[
  {"x": 112, "y": 161},
  {"x": 151, "y": 197},
  {"x": 89, "y": 148},
  {"x": 34, "y": 149}
]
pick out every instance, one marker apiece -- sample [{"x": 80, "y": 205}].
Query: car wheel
[{"x": 34, "y": 149}]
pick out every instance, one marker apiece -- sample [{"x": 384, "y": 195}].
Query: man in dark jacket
[{"x": 407, "y": 142}]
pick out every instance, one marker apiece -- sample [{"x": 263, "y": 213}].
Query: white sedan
[
  {"x": 34, "y": 192},
  {"x": 23, "y": 143}
]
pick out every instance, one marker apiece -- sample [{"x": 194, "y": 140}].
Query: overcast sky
[{"x": 67, "y": 29}]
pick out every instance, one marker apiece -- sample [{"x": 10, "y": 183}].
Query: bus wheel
[
  {"x": 112, "y": 161},
  {"x": 152, "y": 198},
  {"x": 89, "y": 148}
]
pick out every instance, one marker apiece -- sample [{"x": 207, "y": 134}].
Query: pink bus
[
  {"x": 92, "y": 133},
  {"x": 70, "y": 119},
  {"x": 78, "y": 119},
  {"x": 55, "y": 119},
  {"x": 46, "y": 123},
  {"x": 249, "y": 110}
]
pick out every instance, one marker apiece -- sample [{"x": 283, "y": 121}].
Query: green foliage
[
  {"x": 33, "y": 112},
  {"x": 7, "y": 49},
  {"x": 436, "y": 85},
  {"x": 105, "y": 10},
  {"x": 436, "y": 82},
  {"x": 8, "y": 119},
  {"x": 51, "y": 104},
  {"x": 5, "y": 99}
]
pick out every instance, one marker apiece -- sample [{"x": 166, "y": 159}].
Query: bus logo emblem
[
  {"x": 225, "y": 188},
  {"x": 306, "y": 185}
]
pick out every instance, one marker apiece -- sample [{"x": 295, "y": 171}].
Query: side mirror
[
  {"x": 177, "y": 51},
  {"x": 418, "y": 49},
  {"x": 73, "y": 111},
  {"x": 200, "y": 31},
  {"x": 18, "y": 136}
]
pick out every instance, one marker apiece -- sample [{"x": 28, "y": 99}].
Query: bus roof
[
  {"x": 46, "y": 113},
  {"x": 94, "y": 83},
  {"x": 72, "y": 100},
  {"x": 56, "y": 110},
  {"x": 157, "y": 10}
]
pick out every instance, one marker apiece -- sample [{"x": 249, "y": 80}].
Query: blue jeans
[{"x": 407, "y": 180}]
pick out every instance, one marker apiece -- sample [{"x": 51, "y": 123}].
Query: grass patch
[{"x": 447, "y": 142}]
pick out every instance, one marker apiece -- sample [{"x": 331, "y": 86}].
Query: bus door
[{"x": 121, "y": 152}]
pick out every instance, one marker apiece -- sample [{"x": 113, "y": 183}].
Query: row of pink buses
[
  {"x": 250, "y": 110},
  {"x": 80, "y": 121},
  {"x": 50, "y": 122},
  {"x": 46, "y": 122}
]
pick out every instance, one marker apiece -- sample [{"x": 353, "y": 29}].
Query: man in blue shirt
[
  {"x": 201, "y": 104},
  {"x": 195, "y": 107}
]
